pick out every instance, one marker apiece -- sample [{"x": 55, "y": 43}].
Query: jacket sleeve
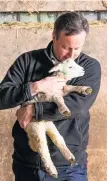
[
  {"x": 13, "y": 89},
  {"x": 77, "y": 103}
]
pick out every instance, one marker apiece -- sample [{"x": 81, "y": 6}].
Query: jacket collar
[{"x": 49, "y": 53}]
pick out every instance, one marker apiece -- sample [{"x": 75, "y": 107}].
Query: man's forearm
[{"x": 13, "y": 95}]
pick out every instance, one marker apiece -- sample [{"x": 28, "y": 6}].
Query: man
[{"x": 27, "y": 76}]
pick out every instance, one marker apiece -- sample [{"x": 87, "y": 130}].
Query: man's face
[{"x": 66, "y": 47}]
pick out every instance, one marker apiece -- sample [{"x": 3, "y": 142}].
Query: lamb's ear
[
  {"x": 55, "y": 68},
  {"x": 72, "y": 63}
]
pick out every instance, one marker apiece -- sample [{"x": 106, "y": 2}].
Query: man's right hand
[{"x": 47, "y": 85}]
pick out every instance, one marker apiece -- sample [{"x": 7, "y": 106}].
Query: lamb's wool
[{"x": 37, "y": 131}]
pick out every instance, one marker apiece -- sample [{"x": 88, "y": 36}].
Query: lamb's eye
[{"x": 70, "y": 67}]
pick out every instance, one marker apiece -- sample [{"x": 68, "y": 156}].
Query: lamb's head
[{"x": 69, "y": 68}]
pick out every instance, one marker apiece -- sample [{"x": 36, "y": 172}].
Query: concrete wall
[
  {"x": 51, "y": 5},
  {"x": 16, "y": 40}
]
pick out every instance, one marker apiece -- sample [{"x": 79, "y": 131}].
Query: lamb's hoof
[
  {"x": 87, "y": 91},
  {"x": 52, "y": 171},
  {"x": 55, "y": 175},
  {"x": 72, "y": 160},
  {"x": 66, "y": 113}
]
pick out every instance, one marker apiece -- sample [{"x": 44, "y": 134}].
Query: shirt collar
[
  {"x": 50, "y": 55},
  {"x": 53, "y": 58}
]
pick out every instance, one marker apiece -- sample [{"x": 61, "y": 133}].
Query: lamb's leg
[
  {"x": 80, "y": 89},
  {"x": 38, "y": 143},
  {"x": 63, "y": 109},
  {"x": 58, "y": 140}
]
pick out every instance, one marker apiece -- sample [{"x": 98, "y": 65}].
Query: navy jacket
[{"x": 14, "y": 90}]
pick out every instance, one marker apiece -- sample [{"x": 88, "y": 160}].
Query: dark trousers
[{"x": 65, "y": 173}]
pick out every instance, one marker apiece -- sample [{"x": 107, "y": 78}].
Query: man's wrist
[{"x": 32, "y": 107}]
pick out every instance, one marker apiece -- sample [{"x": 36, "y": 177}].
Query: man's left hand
[{"x": 24, "y": 115}]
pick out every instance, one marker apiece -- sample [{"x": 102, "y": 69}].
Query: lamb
[{"x": 36, "y": 131}]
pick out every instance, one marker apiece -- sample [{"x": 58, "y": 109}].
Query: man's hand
[
  {"x": 24, "y": 115},
  {"x": 47, "y": 85}
]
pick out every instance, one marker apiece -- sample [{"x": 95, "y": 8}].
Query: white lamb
[{"x": 37, "y": 131}]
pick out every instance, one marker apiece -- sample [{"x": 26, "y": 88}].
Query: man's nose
[{"x": 71, "y": 54}]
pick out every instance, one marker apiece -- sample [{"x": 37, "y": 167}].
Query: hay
[{"x": 39, "y": 25}]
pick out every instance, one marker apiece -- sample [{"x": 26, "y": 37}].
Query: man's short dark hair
[{"x": 71, "y": 23}]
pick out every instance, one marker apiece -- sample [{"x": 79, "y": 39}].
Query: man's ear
[{"x": 53, "y": 36}]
